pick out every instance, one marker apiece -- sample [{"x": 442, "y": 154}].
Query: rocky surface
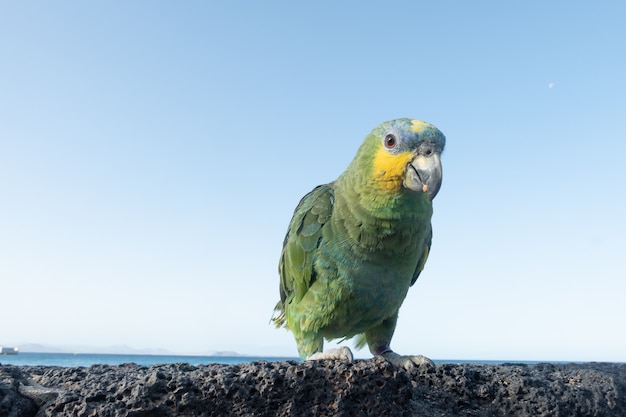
[{"x": 327, "y": 388}]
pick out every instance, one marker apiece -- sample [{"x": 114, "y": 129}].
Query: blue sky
[{"x": 152, "y": 153}]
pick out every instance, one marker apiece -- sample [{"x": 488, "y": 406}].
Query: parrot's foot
[
  {"x": 406, "y": 361},
  {"x": 341, "y": 354}
]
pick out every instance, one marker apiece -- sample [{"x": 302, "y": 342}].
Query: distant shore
[{"x": 327, "y": 388}]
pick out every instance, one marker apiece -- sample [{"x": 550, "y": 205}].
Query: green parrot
[{"x": 355, "y": 246}]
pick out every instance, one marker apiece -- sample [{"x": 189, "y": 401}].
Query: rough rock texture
[{"x": 326, "y": 388}]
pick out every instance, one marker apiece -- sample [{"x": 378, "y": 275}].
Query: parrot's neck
[{"x": 377, "y": 220}]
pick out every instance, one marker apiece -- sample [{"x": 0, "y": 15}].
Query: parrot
[{"x": 355, "y": 246}]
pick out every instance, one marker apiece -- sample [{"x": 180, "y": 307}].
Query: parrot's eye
[{"x": 390, "y": 141}]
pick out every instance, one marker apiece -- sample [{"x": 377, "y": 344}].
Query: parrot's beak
[{"x": 424, "y": 174}]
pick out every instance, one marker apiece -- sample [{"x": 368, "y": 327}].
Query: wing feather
[
  {"x": 424, "y": 257},
  {"x": 302, "y": 240}
]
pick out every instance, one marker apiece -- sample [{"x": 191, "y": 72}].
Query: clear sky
[{"x": 152, "y": 153}]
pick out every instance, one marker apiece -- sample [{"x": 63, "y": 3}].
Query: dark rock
[
  {"x": 12, "y": 402},
  {"x": 327, "y": 388}
]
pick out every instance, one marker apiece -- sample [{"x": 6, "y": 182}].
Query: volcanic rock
[{"x": 326, "y": 388}]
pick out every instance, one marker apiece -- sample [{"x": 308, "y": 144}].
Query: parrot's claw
[
  {"x": 408, "y": 362},
  {"x": 341, "y": 354}
]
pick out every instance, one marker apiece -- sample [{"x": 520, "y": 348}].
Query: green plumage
[{"x": 355, "y": 246}]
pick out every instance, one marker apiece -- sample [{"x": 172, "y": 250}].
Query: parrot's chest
[
  {"x": 384, "y": 284},
  {"x": 372, "y": 269},
  {"x": 369, "y": 295},
  {"x": 376, "y": 288}
]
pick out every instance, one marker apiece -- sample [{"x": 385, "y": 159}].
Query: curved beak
[{"x": 424, "y": 174}]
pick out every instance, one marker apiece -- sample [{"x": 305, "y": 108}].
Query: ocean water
[{"x": 89, "y": 359}]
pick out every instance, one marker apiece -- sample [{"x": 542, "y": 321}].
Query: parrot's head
[{"x": 404, "y": 154}]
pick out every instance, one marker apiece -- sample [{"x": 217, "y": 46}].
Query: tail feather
[
  {"x": 360, "y": 341},
  {"x": 279, "y": 319}
]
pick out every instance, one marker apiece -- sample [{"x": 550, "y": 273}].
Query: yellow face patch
[
  {"x": 417, "y": 126},
  {"x": 389, "y": 169}
]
